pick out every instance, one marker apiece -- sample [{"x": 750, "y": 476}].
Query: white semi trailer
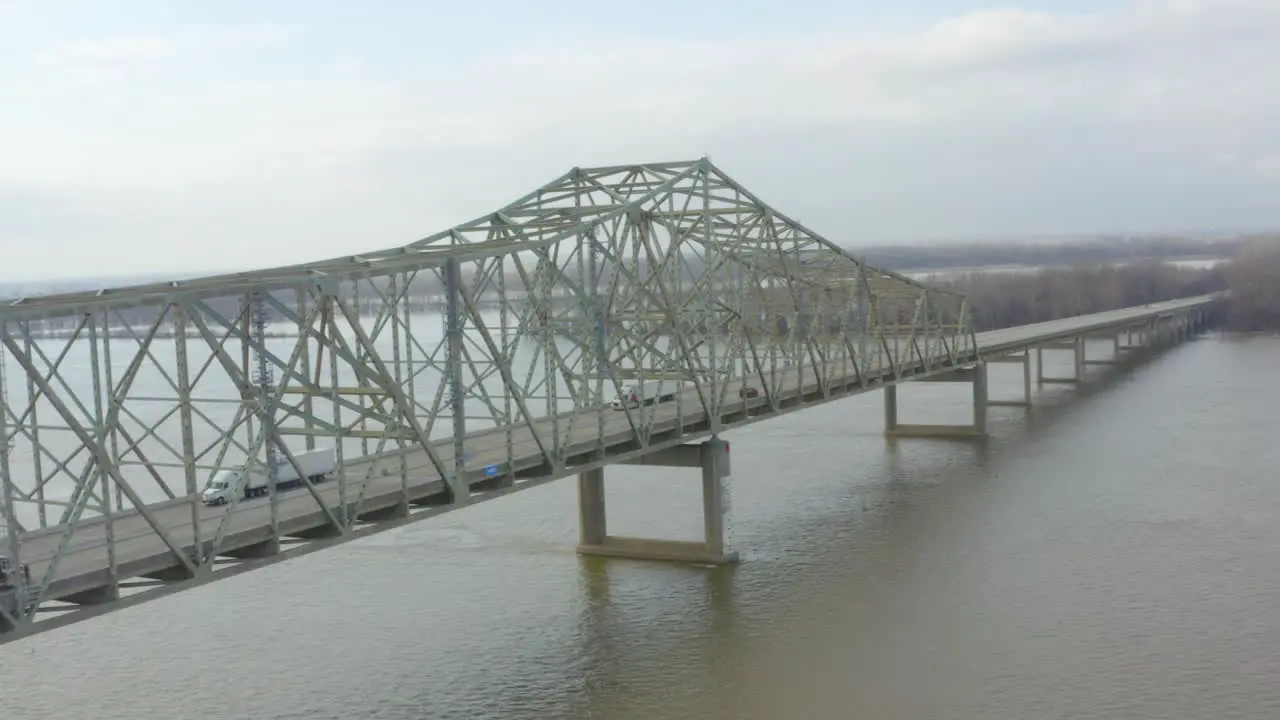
[
  {"x": 12, "y": 578},
  {"x": 316, "y": 466},
  {"x": 646, "y": 393}
]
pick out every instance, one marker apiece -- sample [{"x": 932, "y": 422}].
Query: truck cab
[
  {"x": 9, "y": 574},
  {"x": 221, "y": 487},
  {"x": 628, "y": 397},
  {"x": 649, "y": 392},
  {"x": 14, "y": 589}
]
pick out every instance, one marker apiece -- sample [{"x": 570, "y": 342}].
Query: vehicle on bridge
[
  {"x": 646, "y": 393},
  {"x": 10, "y": 581},
  {"x": 9, "y": 574},
  {"x": 316, "y": 465}
]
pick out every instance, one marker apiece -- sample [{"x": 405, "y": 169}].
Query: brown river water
[{"x": 1116, "y": 554}]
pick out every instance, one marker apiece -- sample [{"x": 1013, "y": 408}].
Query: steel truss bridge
[{"x": 467, "y": 365}]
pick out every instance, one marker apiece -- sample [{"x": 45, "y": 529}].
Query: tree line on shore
[
  {"x": 1058, "y": 253},
  {"x": 1252, "y": 277}
]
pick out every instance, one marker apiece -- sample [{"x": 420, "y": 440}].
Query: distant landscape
[
  {"x": 901, "y": 257},
  {"x": 1084, "y": 251},
  {"x": 1054, "y": 278},
  {"x": 1097, "y": 276}
]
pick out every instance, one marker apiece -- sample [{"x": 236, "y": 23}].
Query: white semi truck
[
  {"x": 646, "y": 393},
  {"x": 316, "y": 466},
  {"x": 12, "y": 579}
]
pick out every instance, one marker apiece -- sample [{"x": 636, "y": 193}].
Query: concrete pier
[
  {"x": 976, "y": 375},
  {"x": 712, "y": 457}
]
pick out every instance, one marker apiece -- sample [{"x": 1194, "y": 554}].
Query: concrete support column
[
  {"x": 715, "y": 462},
  {"x": 890, "y": 408},
  {"x": 712, "y": 457},
  {"x": 1026, "y": 377},
  {"x": 592, "y": 519},
  {"x": 1079, "y": 358},
  {"x": 977, "y": 375},
  {"x": 980, "y": 399}
]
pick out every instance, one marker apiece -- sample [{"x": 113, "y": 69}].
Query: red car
[{"x": 748, "y": 392}]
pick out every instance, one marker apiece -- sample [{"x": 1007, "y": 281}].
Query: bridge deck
[
  {"x": 139, "y": 551},
  {"x": 1012, "y": 339}
]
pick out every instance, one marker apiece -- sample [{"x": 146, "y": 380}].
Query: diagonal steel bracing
[{"x": 486, "y": 353}]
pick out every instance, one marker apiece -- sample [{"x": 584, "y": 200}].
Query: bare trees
[
  {"x": 1254, "y": 280},
  {"x": 1004, "y": 299}
]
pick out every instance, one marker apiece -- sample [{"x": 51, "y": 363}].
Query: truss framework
[{"x": 519, "y": 326}]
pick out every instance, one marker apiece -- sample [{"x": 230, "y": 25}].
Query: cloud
[
  {"x": 121, "y": 48},
  {"x": 125, "y": 48},
  {"x": 1156, "y": 115}
]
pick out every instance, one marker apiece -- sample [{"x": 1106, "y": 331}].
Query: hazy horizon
[
  {"x": 180, "y": 273},
  {"x": 62, "y": 284}
]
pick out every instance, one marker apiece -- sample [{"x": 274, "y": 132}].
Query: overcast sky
[{"x": 145, "y": 136}]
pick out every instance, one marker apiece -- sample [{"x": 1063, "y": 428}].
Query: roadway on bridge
[
  {"x": 994, "y": 342},
  {"x": 376, "y": 480}
]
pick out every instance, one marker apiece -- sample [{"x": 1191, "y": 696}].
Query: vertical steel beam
[
  {"x": 113, "y": 427},
  {"x": 264, "y": 380},
  {"x": 505, "y": 356},
  {"x": 245, "y": 338},
  {"x": 183, "y": 361},
  {"x": 709, "y": 319},
  {"x": 453, "y": 368},
  {"x": 398, "y": 371},
  {"x": 410, "y": 375},
  {"x": 339, "y": 437},
  {"x": 598, "y": 322},
  {"x": 107, "y": 460},
  {"x": 7, "y": 497},
  {"x": 362, "y": 381},
  {"x": 545, "y": 292},
  {"x": 863, "y": 321},
  {"x": 37, "y": 457},
  {"x": 308, "y": 399}
]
